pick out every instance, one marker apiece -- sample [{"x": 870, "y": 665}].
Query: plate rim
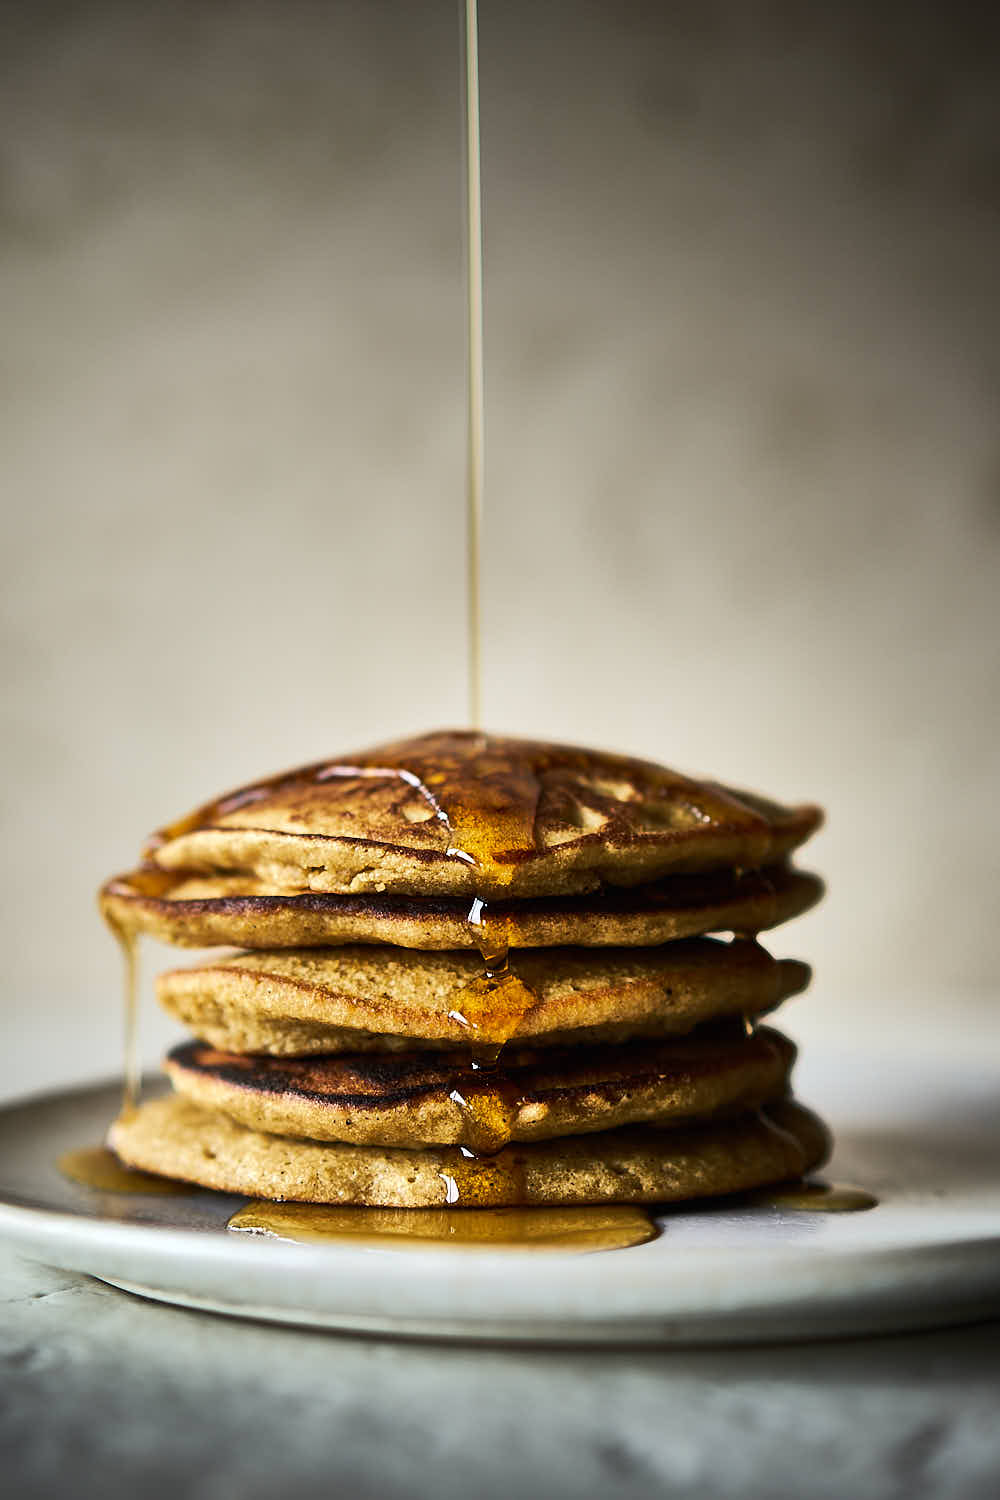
[{"x": 886, "y": 1285}]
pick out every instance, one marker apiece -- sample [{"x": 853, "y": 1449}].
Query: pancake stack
[{"x": 475, "y": 971}]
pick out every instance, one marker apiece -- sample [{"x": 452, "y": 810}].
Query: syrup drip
[
  {"x": 490, "y": 1107},
  {"x": 98, "y": 1168},
  {"x": 128, "y": 941},
  {"x": 487, "y": 818},
  {"x": 494, "y": 1004},
  {"x": 488, "y": 1179},
  {"x": 569, "y": 1229},
  {"x": 814, "y": 1198}
]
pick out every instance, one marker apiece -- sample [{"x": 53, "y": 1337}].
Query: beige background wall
[{"x": 743, "y": 504}]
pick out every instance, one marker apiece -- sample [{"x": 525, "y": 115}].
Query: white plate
[{"x": 918, "y": 1130}]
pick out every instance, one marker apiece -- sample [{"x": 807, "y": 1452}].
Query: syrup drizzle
[{"x": 475, "y": 423}]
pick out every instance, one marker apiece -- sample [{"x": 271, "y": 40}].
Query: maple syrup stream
[{"x": 475, "y": 415}]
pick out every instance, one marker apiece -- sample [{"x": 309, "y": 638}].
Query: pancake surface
[
  {"x": 458, "y": 813},
  {"x": 435, "y": 1100},
  {"x": 178, "y": 1138},
  {"x": 296, "y": 1002}
]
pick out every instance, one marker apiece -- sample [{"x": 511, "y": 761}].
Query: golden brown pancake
[
  {"x": 459, "y": 814},
  {"x": 178, "y": 1138},
  {"x": 235, "y": 910},
  {"x": 301, "y": 1001},
  {"x": 430, "y": 1099}
]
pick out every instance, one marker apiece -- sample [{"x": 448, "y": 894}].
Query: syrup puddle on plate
[
  {"x": 579, "y": 1229},
  {"x": 813, "y": 1197},
  {"x": 576, "y": 1229},
  {"x": 97, "y": 1167}
]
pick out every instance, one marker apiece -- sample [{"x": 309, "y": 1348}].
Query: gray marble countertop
[{"x": 106, "y": 1394}]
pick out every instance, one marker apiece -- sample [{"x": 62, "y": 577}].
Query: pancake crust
[
  {"x": 302, "y": 1001},
  {"x": 236, "y": 912},
  {"x": 435, "y": 1100},
  {"x": 460, "y": 813},
  {"x": 178, "y": 1138}
]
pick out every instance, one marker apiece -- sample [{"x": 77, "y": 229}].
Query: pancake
[
  {"x": 459, "y": 814},
  {"x": 236, "y": 911},
  {"x": 302, "y": 1001},
  {"x": 175, "y": 1137},
  {"x": 430, "y": 1099}
]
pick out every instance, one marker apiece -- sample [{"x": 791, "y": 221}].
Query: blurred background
[{"x": 743, "y": 468}]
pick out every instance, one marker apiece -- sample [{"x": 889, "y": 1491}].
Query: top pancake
[{"x": 463, "y": 814}]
